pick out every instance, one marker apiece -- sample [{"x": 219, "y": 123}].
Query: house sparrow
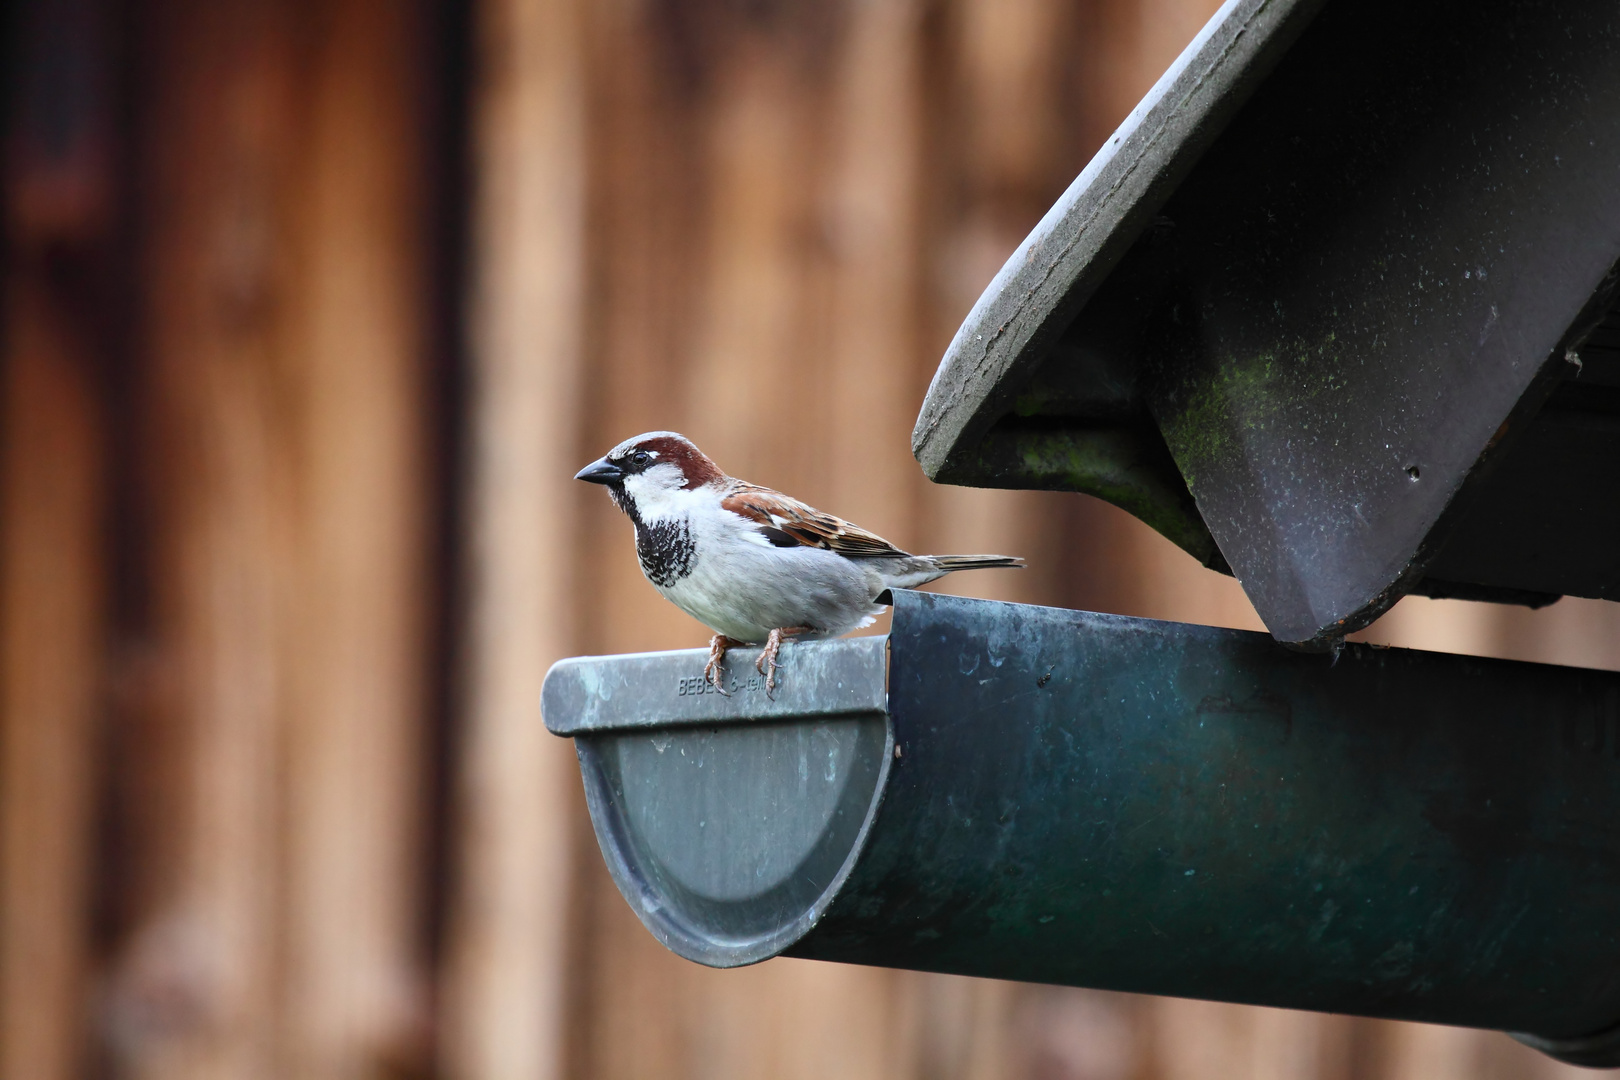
[{"x": 752, "y": 564}]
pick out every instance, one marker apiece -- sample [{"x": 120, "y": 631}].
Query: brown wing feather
[{"x": 782, "y": 515}]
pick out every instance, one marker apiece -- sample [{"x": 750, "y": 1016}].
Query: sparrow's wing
[{"x": 787, "y": 522}]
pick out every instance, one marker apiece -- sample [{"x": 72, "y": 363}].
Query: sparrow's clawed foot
[
  {"x": 766, "y": 664},
  {"x": 712, "y": 673}
]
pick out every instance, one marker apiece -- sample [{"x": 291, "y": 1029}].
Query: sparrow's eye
[{"x": 640, "y": 457}]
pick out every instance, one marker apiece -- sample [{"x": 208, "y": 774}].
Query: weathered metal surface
[
  {"x": 1376, "y": 274},
  {"x": 1065, "y": 797},
  {"x": 727, "y": 827},
  {"x": 665, "y": 689},
  {"x": 1194, "y": 811},
  {"x": 729, "y": 842},
  {"x": 1344, "y": 317}
]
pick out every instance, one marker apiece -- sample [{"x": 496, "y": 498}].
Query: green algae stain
[
  {"x": 1033, "y": 402},
  {"x": 1119, "y": 465},
  {"x": 1214, "y": 411}
]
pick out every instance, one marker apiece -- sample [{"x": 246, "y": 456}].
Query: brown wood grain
[
  {"x": 506, "y": 1002},
  {"x": 56, "y": 345},
  {"x": 352, "y": 973},
  {"x": 52, "y": 626},
  {"x": 273, "y": 926},
  {"x": 195, "y": 978}
]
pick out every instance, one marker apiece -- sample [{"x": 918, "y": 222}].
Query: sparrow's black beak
[{"x": 601, "y": 471}]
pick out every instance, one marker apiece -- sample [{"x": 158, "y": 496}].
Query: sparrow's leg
[
  {"x": 717, "y": 652},
  {"x": 766, "y": 664}
]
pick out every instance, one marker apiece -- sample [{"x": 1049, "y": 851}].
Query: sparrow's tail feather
[
  {"x": 915, "y": 570},
  {"x": 949, "y": 563}
]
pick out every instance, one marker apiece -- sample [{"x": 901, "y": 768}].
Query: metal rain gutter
[{"x": 1064, "y": 797}]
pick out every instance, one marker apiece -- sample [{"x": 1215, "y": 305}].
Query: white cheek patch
[
  {"x": 638, "y": 488},
  {"x": 653, "y": 488},
  {"x": 665, "y": 477}
]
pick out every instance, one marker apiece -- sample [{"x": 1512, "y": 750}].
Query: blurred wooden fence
[{"x": 310, "y": 312}]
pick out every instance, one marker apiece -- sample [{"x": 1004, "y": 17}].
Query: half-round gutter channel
[
  {"x": 730, "y": 823},
  {"x": 730, "y": 841}
]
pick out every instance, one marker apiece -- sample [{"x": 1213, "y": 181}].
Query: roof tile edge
[{"x": 1091, "y": 226}]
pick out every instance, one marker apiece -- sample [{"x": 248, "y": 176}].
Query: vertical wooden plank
[
  {"x": 872, "y": 219},
  {"x": 51, "y": 578},
  {"x": 1575, "y": 630},
  {"x": 353, "y": 643},
  {"x": 764, "y": 160},
  {"x": 1209, "y": 1039},
  {"x": 195, "y": 991},
  {"x": 1433, "y": 1052},
  {"x": 1004, "y": 153},
  {"x": 1090, "y": 1033},
  {"x": 1131, "y": 43},
  {"x": 972, "y": 1029},
  {"x": 273, "y": 916},
  {"x": 51, "y": 627},
  {"x": 517, "y": 797},
  {"x": 58, "y": 214},
  {"x": 1113, "y": 562}
]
